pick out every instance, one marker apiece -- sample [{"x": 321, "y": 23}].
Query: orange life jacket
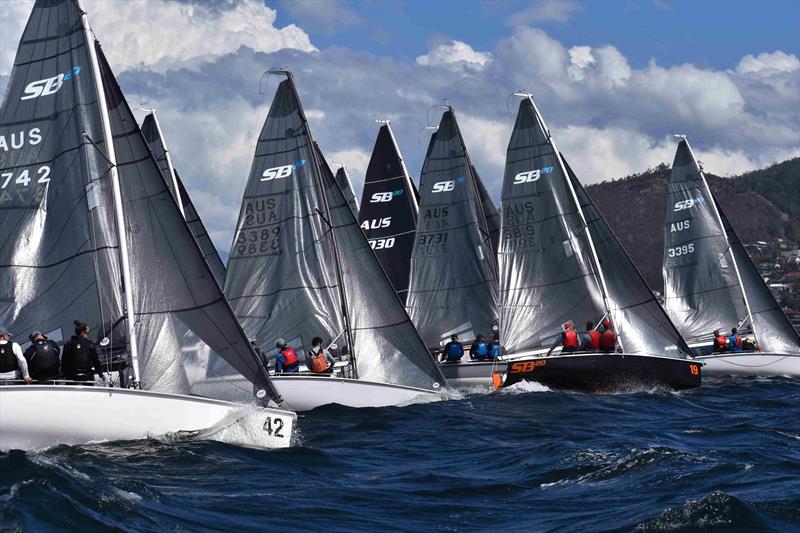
[
  {"x": 608, "y": 340},
  {"x": 595, "y": 342},
  {"x": 319, "y": 363},
  {"x": 291, "y": 357},
  {"x": 720, "y": 343},
  {"x": 569, "y": 339}
]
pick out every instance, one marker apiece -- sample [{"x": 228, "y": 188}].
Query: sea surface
[{"x": 725, "y": 457}]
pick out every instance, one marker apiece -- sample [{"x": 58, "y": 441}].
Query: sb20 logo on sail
[
  {"x": 380, "y": 197},
  {"x": 531, "y": 175},
  {"x": 48, "y": 86},
  {"x": 446, "y": 186},
  {"x": 285, "y": 171},
  {"x": 688, "y": 203}
]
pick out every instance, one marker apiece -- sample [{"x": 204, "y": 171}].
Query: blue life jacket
[
  {"x": 481, "y": 350},
  {"x": 494, "y": 350},
  {"x": 454, "y": 350}
]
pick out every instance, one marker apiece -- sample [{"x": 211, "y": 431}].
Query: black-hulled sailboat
[
  {"x": 559, "y": 263},
  {"x": 89, "y": 230},
  {"x": 151, "y": 129},
  {"x": 389, "y": 209},
  {"x": 453, "y": 287},
  {"x": 711, "y": 283},
  {"x": 300, "y": 267}
]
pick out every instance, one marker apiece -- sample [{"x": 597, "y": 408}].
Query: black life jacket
[
  {"x": 81, "y": 356},
  {"x": 43, "y": 359},
  {"x": 8, "y": 361}
]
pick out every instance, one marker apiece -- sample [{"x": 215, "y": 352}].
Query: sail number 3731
[{"x": 24, "y": 177}]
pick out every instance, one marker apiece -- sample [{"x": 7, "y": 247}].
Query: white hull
[
  {"x": 470, "y": 373},
  {"x": 303, "y": 392},
  {"x": 41, "y": 416},
  {"x": 751, "y": 364}
]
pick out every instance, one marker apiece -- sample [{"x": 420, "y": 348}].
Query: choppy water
[{"x": 723, "y": 457}]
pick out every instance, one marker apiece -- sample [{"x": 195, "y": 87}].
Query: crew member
[
  {"x": 495, "y": 349},
  {"x": 318, "y": 359},
  {"x": 43, "y": 356},
  {"x": 479, "y": 349},
  {"x": 720, "y": 342},
  {"x": 735, "y": 341},
  {"x": 12, "y": 362},
  {"x": 453, "y": 350},
  {"x": 568, "y": 339},
  {"x": 79, "y": 360},
  {"x": 608, "y": 340},
  {"x": 590, "y": 341},
  {"x": 286, "y": 362}
]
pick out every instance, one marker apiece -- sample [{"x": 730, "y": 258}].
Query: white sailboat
[
  {"x": 711, "y": 283},
  {"x": 90, "y": 230}
]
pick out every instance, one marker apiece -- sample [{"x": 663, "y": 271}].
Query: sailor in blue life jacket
[
  {"x": 735, "y": 341},
  {"x": 453, "y": 350},
  {"x": 286, "y": 362},
  {"x": 495, "y": 349},
  {"x": 79, "y": 359},
  {"x": 44, "y": 357},
  {"x": 479, "y": 349},
  {"x": 12, "y": 363}
]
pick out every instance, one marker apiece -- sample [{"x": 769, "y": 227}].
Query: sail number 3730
[{"x": 24, "y": 177}]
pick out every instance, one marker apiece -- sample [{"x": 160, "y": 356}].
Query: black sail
[
  {"x": 173, "y": 284},
  {"x": 490, "y": 212},
  {"x": 453, "y": 287},
  {"x": 346, "y": 186},
  {"x": 547, "y": 275},
  {"x": 389, "y": 209},
  {"x": 58, "y": 246},
  {"x": 210, "y": 253}
]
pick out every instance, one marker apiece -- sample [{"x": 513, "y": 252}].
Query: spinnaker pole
[{"x": 117, "y": 194}]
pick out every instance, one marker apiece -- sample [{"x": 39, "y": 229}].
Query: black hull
[{"x": 605, "y": 372}]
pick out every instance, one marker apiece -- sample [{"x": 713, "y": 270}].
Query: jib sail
[{"x": 343, "y": 180}]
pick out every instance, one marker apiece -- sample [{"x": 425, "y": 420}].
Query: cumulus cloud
[
  {"x": 455, "y": 54},
  {"x": 768, "y": 63},
  {"x": 355, "y": 160},
  {"x": 580, "y": 57}
]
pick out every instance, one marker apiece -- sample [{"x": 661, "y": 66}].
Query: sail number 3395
[{"x": 24, "y": 177}]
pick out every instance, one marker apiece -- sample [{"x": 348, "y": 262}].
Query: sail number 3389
[{"x": 24, "y": 177}]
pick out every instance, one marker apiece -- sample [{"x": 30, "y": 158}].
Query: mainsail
[
  {"x": 490, "y": 212},
  {"x": 389, "y": 210},
  {"x": 343, "y": 180},
  {"x": 701, "y": 286},
  {"x": 301, "y": 267},
  {"x": 59, "y": 258},
  {"x": 453, "y": 266},
  {"x": 152, "y": 134}
]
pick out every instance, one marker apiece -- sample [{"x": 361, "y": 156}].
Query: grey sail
[
  {"x": 640, "y": 320},
  {"x": 701, "y": 288},
  {"x": 343, "y": 180},
  {"x": 773, "y": 329},
  {"x": 490, "y": 212},
  {"x": 386, "y": 345},
  {"x": 547, "y": 275},
  {"x": 58, "y": 246},
  {"x": 150, "y": 131},
  {"x": 173, "y": 284},
  {"x": 389, "y": 209},
  {"x": 453, "y": 287},
  {"x": 281, "y": 278}
]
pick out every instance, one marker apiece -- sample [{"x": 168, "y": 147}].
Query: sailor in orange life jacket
[
  {"x": 735, "y": 341},
  {"x": 720, "y": 343},
  {"x": 608, "y": 339},
  {"x": 568, "y": 339},
  {"x": 318, "y": 359},
  {"x": 286, "y": 361},
  {"x": 590, "y": 341}
]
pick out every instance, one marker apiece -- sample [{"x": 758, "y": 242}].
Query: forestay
[
  {"x": 701, "y": 288},
  {"x": 151, "y": 134},
  {"x": 389, "y": 209},
  {"x": 547, "y": 275}
]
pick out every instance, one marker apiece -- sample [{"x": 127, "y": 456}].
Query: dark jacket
[
  {"x": 79, "y": 359},
  {"x": 43, "y": 358}
]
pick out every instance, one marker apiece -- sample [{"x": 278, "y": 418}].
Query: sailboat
[
  {"x": 559, "y": 263},
  {"x": 453, "y": 286},
  {"x": 343, "y": 179},
  {"x": 711, "y": 283},
  {"x": 300, "y": 267},
  {"x": 389, "y": 208},
  {"x": 89, "y": 230},
  {"x": 151, "y": 129}
]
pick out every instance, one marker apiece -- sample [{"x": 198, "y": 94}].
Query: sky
[{"x": 613, "y": 79}]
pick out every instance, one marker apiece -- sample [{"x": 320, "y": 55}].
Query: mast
[
  {"x": 117, "y": 193},
  {"x": 409, "y": 185},
  {"x": 725, "y": 233},
  {"x": 595, "y": 259},
  {"x": 172, "y": 174},
  {"x": 329, "y": 221}
]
